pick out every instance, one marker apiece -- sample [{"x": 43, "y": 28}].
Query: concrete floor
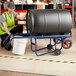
[
  {"x": 39, "y": 66},
  {"x": 7, "y": 73}
]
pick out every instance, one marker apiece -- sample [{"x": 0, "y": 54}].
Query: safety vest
[{"x": 10, "y": 23}]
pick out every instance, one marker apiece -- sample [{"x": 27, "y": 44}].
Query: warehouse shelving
[
  {"x": 71, "y": 7},
  {"x": 18, "y": 11}
]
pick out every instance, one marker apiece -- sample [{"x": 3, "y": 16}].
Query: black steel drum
[{"x": 49, "y": 21}]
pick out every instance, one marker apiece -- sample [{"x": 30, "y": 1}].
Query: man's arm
[
  {"x": 3, "y": 21},
  {"x": 6, "y": 29}
]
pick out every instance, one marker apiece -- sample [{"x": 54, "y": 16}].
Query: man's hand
[
  {"x": 21, "y": 16},
  {"x": 11, "y": 37}
]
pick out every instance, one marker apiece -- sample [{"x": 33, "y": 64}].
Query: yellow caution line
[{"x": 38, "y": 59}]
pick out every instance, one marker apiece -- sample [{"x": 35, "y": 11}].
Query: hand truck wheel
[
  {"x": 67, "y": 43},
  {"x": 49, "y": 46},
  {"x": 57, "y": 52}
]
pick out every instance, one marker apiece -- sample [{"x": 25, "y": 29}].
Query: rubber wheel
[
  {"x": 49, "y": 47},
  {"x": 58, "y": 41},
  {"x": 67, "y": 43},
  {"x": 57, "y": 52}
]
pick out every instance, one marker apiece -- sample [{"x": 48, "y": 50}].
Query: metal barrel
[{"x": 48, "y": 21}]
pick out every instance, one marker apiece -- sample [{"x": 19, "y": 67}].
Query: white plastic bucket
[{"x": 19, "y": 46}]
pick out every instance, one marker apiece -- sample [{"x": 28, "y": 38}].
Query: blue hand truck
[{"x": 64, "y": 40}]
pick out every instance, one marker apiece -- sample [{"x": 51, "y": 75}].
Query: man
[{"x": 8, "y": 24}]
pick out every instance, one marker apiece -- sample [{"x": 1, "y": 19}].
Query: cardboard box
[{"x": 39, "y": 6}]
